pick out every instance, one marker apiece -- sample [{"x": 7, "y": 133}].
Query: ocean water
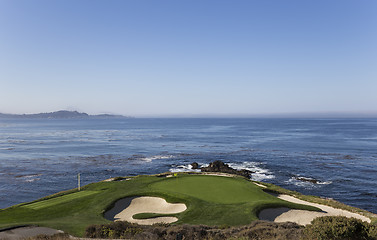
[{"x": 39, "y": 157}]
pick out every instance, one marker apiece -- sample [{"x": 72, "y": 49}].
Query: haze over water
[{"x": 44, "y": 156}]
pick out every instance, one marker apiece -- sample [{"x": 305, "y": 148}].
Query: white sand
[
  {"x": 260, "y": 185},
  {"x": 150, "y": 205},
  {"x": 220, "y": 174},
  {"x": 304, "y": 217}
]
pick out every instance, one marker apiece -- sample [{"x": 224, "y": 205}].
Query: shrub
[
  {"x": 113, "y": 230},
  {"x": 324, "y": 228},
  {"x": 255, "y": 230},
  {"x": 372, "y": 233},
  {"x": 338, "y": 228}
]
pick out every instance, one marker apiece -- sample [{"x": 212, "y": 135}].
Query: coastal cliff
[{"x": 62, "y": 114}]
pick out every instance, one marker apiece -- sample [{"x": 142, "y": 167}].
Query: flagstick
[{"x": 78, "y": 180}]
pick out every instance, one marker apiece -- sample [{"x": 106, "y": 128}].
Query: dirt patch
[{"x": 26, "y": 232}]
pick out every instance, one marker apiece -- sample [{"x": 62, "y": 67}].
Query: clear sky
[{"x": 188, "y": 58}]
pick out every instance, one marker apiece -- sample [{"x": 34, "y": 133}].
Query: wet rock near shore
[
  {"x": 194, "y": 165},
  {"x": 305, "y": 179},
  {"x": 219, "y": 166}
]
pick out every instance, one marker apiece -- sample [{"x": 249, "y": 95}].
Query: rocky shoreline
[{"x": 219, "y": 166}]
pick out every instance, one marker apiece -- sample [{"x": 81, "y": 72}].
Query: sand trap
[
  {"x": 304, "y": 217},
  {"x": 259, "y": 185},
  {"x": 145, "y": 205},
  {"x": 26, "y": 232},
  {"x": 219, "y": 174}
]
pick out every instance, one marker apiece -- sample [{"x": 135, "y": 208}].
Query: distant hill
[{"x": 59, "y": 115}]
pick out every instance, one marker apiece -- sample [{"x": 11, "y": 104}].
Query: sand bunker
[
  {"x": 145, "y": 205},
  {"x": 304, "y": 217},
  {"x": 260, "y": 185}
]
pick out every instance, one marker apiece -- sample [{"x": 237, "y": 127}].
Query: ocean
[{"x": 333, "y": 158}]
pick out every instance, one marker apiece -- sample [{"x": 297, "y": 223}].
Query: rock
[
  {"x": 304, "y": 179},
  {"x": 245, "y": 173},
  {"x": 219, "y": 166},
  {"x": 194, "y": 165}
]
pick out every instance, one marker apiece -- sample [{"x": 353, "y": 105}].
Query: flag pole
[{"x": 78, "y": 181}]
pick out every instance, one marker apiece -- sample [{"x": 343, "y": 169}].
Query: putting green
[{"x": 224, "y": 190}]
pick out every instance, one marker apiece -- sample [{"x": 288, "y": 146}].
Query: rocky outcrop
[
  {"x": 305, "y": 179},
  {"x": 219, "y": 166},
  {"x": 194, "y": 165}
]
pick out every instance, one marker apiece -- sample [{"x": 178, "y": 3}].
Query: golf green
[{"x": 215, "y": 189}]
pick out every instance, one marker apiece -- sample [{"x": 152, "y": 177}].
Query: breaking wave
[
  {"x": 183, "y": 168},
  {"x": 259, "y": 173},
  {"x": 29, "y": 178},
  {"x": 306, "y": 182},
  {"x": 156, "y": 157}
]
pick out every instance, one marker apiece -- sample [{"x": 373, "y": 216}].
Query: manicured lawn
[
  {"x": 211, "y": 200},
  {"x": 54, "y": 201},
  {"x": 213, "y": 189}
]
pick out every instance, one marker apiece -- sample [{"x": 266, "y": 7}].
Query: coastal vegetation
[
  {"x": 339, "y": 227},
  {"x": 254, "y": 230},
  {"x": 324, "y": 228}
]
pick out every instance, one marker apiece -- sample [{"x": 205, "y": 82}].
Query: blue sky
[{"x": 188, "y": 58}]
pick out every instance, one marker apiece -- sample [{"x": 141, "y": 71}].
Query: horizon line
[{"x": 327, "y": 114}]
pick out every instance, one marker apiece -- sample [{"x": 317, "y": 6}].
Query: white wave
[
  {"x": 183, "y": 168},
  {"x": 150, "y": 159},
  {"x": 8, "y": 149},
  {"x": 260, "y": 177},
  {"x": 29, "y": 178},
  {"x": 259, "y": 173},
  {"x": 324, "y": 183},
  {"x": 298, "y": 183},
  {"x": 32, "y": 180},
  {"x": 306, "y": 184}
]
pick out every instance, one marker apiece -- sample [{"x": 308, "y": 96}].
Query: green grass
[
  {"x": 210, "y": 200},
  {"x": 213, "y": 189},
  {"x": 58, "y": 200},
  {"x": 150, "y": 215}
]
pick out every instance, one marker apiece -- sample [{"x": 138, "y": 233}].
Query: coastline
[
  {"x": 177, "y": 214},
  {"x": 172, "y": 143}
]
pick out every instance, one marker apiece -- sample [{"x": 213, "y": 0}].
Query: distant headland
[{"x": 63, "y": 114}]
